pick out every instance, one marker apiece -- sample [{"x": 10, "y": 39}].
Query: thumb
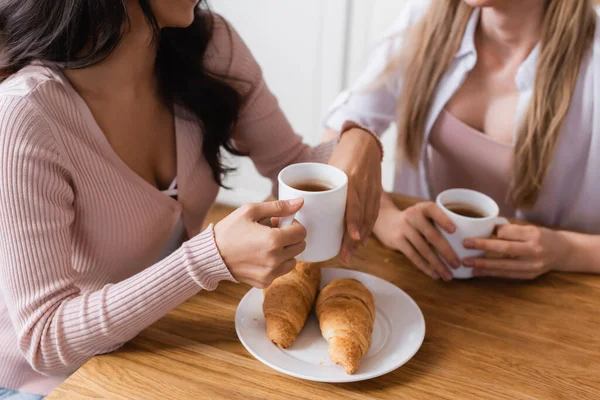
[{"x": 279, "y": 208}]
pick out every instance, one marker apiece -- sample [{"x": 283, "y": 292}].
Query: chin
[
  {"x": 182, "y": 22},
  {"x": 174, "y": 13}
]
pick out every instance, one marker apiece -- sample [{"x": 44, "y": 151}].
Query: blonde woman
[{"x": 500, "y": 96}]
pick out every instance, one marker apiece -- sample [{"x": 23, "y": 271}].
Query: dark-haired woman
[{"x": 112, "y": 116}]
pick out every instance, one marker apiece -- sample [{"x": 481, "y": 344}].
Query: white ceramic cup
[
  {"x": 322, "y": 214},
  {"x": 467, "y": 227}
]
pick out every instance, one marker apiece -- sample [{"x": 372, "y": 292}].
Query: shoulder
[
  {"x": 34, "y": 95},
  {"x": 228, "y": 55},
  {"x": 36, "y": 88},
  {"x": 27, "y": 99},
  {"x": 387, "y": 48},
  {"x": 394, "y": 37},
  {"x": 412, "y": 13},
  {"x": 226, "y": 46}
]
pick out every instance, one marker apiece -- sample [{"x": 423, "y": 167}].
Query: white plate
[{"x": 398, "y": 333}]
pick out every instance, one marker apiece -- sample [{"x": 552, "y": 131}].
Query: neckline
[
  {"x": 474, "y": 131},
  {"x": 102, "y": 141}
]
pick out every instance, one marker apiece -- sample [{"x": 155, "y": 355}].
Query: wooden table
[{"x": 486, "y": 339}]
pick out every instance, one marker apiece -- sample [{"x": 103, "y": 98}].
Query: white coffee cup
[
  {"x": 467, "y": 227},
  {"x": 322, "y": 214}
]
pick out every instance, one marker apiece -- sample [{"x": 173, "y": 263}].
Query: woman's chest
[
  {"x": 488, "y": 102},
  {"x": 142, "y": 134},
  {"x": 122, "y": 222}
]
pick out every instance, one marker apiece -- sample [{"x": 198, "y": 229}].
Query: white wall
[{"x": 309, "y": 51}]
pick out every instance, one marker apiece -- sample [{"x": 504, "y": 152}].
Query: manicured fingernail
[
  {"x": 455, "y": 264},
  {"x": 295, "y": 202},
  {"x": 468, "y": 262},
  {"x": 447, "y": 276},
  {"x": 450, "y": 228},
  {"x": 469, "y": 243}
]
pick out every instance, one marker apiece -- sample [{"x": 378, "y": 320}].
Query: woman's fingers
[
  {"x": 261, "y": 276},
  {"x": 352, "y": 234},
  {"x": 371, "y": 213},
  {"x": 413, "y": 255},
  {"x": 503, "y": 264},
  {"x": 347, "y": 250},
  {"x": 256, "y": 284},
  {"x": 425, "y": 250},
  {"x": 279, "y": 208},
  {"x": 292, "y": 251},
  {"x": 290, "y": 235},
  {"x": 433, "y": 236},
  {"x": 433, "y": 212},
  {"x": 508, "y": 247},
  {"x": 284, "y": 268},
  {"x": 497, "y": 273},
  {"x": 521, "y": 233},
  {"x": 353, "y": 214}
]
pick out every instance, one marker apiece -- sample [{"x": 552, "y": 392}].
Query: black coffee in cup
[
  {"x": 312, "y": 185},
  {"x": 466, "y": 210}
]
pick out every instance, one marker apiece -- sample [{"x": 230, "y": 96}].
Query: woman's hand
[
  {"x": 359, "y": 156},
  {"x": 529, "y": 252},
  {"x": 412, "y": 232},
  {"x": 257, "y": 254}
]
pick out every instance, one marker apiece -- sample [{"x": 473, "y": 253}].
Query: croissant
[
  {"x": 346, "y": 313},
  {"x": 288, "y": 302}
]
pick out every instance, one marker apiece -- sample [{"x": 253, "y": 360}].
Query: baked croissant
[
  {"x": 288, "y": 302},
  {"x": 346, "y": 313}
]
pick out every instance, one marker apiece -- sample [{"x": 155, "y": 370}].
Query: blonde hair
[{"x": 567, "y": 34}]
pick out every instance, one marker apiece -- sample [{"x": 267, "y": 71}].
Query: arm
[
  {"x": 371, "y": 104},
  {"x": 371, "y": 100},
  {"x": 584, "y": 253},
  {"x": 59, "y": 326},
  {"x": 330, "y": 134},
  {"x": 266, "y": 136}
]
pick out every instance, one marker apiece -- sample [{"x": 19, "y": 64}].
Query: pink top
[
  {"x": 463, "y": 157},
  {"x": 80, "y": 232}
]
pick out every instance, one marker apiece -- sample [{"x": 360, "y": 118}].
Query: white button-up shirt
[{"x": 570, "y": 196}]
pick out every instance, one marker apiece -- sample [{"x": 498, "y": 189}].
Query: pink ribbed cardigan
[{"x": 80, "y": 232}]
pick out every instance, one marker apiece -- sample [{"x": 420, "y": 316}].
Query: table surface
[{"x": 486, "y": 339}]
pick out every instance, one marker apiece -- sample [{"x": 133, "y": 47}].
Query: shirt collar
[
  {"x": 467, "y": 45},
  {"x": 525, "y": 77}
]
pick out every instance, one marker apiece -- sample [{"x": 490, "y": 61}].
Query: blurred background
[{"x": 309, "y": 51}]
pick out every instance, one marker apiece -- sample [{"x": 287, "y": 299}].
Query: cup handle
[
  {"x": 284, "y": 222},
  {"x": 501, "y": 221}
]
